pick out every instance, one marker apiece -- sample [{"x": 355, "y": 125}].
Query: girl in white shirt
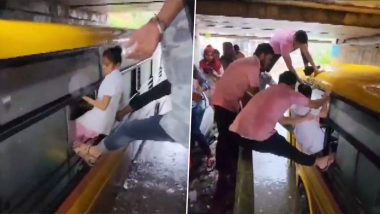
[
  {"x": 309, "y": 134},
  {"x": 100, "y": 119}
]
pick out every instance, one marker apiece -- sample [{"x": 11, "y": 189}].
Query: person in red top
[
  {"x": 254, "y": 127},
  {"x": 241, "y": 76},
  {"x": 210, "y": 64},
  {"x": 211, "y": 68}
]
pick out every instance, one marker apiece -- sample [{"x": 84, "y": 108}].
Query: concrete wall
[
  {"x": 354, "y": 54},
  {"x": 48, "y": 11}
]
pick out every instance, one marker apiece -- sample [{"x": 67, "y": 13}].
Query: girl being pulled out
[{"x": 100, "y": 119}]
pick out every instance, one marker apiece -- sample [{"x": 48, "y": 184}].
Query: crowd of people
[{"x": 246, "y": 110}]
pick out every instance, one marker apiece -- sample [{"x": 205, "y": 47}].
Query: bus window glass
[
  {"x": 346, "y": 160},
  {"x": 367, "y": 183},
  {"x": 362, "y": 126}
]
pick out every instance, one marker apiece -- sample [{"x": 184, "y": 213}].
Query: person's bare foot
[
  {"x": 322, "y": 162},
  {"x": 331, "y": 158},
  {"x": 95, "y": 151},
  {"x": 88, "y": 153}
]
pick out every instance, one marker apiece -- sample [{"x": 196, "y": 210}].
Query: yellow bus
[{"x": 352, "y": 183}]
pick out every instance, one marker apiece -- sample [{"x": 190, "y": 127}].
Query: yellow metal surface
[
  {"x": 82, "y": 199},
  {"x": 357, "y": 83},
  {"x": 320, "y": 198},
  {"x": 19, "y": 38}
]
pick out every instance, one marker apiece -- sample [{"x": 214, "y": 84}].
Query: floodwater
[
  {"x": 274, "y": 183},
  {"x": 156, "y": 182},
  {"x": 157, "y": 177}
]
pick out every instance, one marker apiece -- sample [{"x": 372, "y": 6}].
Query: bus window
[
  {"x": 346, "y": 160},
  {"x": 362, "y": 126},
  {"x": 78, "y": 107},
  {"x": 355, "y": 178},
  {"x": 367, "y": 184}
]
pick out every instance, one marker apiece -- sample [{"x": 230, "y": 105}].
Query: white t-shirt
[
  {"x": 309, "y": 133},
  {"x": 102, "y": 121}
]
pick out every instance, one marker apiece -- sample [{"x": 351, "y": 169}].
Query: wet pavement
[
  {"x": 156, "y": 182},
  {"x": 274, "y": 183},
  {"x": 157, "y": 177},
  {"x": 202, "y": 187}
]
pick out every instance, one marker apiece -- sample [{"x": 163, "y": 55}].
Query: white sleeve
[
  {"x": 293, "y": 110},
  {"x": 315, "y": 111},
  {"x": 109, "y": 88}
]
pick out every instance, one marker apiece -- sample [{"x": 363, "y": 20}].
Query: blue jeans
[
  {"x": 196, "y": 134},
  {"x": 139, "y": 129}
]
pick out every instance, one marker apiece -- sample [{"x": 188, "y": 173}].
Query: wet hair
[
  {"x": 301, "y": 37},
  {"x": 308, "y": 70},
  {"x": 288, "y": 78},
  {"x": 228, "y": 46},
  {"x": 113, "y": 54},
  {"x": 237, "y": 48},
  {"x": 305, "y": 90},
  {"x": 264, "y": 48}
]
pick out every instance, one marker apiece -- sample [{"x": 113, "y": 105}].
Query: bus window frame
[{"x": 360, "y": 148}]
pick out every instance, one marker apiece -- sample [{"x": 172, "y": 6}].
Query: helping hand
[
  {"x": 143, "y": 42},
  {"x": 87, "y": 99}
]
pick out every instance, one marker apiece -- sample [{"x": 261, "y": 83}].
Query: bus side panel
[{"x": 320, "y": 194}]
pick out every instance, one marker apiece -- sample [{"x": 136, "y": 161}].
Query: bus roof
[{"x": 357, "y": 83}]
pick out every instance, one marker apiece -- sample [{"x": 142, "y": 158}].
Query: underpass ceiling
[
  {"x": 362, "y": 3},
  {"x": 238, "y": 26}
]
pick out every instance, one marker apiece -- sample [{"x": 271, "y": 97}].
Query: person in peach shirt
[
  {"x": 240, "y": 77},
  {"x": 254, "y": 127},
  {"x": 285, "y": 42}
]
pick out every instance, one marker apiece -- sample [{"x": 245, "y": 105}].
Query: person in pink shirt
[
  {"x": 255, "y": 124},
  {"x": 283, "y": 43},
  {"x": 241, "y": 76}
]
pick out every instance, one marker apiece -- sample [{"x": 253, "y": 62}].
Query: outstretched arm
[
  {"x": 289, "y": 65},
  {"x": 144, "y": 41},
  {"x": 100, "y": 104},
  {"x": 249, "y": 94},
  {"x": 320, "y": 102},
  {"x": 305, "y": 50}
]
